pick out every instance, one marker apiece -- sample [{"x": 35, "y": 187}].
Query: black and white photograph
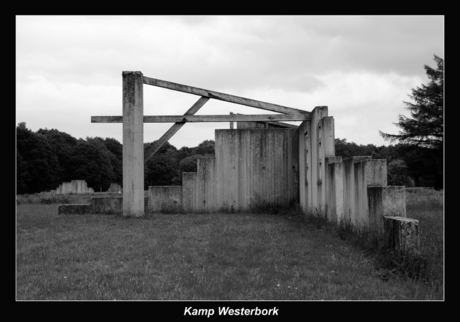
[{"x": 230, "y": 164}]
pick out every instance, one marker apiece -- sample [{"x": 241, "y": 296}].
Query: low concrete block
[
  {"x": 402, "y": 234},
  {"x": 110, "y": 204},
  {"x": 107, "y": 205},
  {"x": 74, "y": 209}
]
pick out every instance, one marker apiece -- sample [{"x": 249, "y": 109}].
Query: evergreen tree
[
  {"x": 423, "y": 132},
  {"x": 426, "y": 125}
]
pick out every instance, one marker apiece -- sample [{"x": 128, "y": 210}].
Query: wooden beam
[
  {"x": 106, "y": 119},
  {"x": 222, "y": 96},
  {"x": 206, "y": 118},
  {"x": 278, "y": 124},
  {"x": 176, "y": 127}
]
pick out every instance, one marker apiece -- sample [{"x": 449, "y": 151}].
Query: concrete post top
[
  {"x": 403, "y": 219},
  {"x": 126, "y": 73}
]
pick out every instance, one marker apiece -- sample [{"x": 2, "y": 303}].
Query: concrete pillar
[
  {"x": 189, "y": 191},
  {"x": 315, "y": 160},
  {"x": 133, "y": 144},
  {"x": 334, "y": 189},
  {"x": 326, "y": 149}
]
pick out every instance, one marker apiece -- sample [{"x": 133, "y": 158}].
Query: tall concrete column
[{"x": 133, "y": 144}]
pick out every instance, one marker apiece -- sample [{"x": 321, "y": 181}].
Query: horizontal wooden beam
[
  {"x": 206, "y": 118},
  {"x": 222, "y": 96},
  {"x": 278, "y": 124}
]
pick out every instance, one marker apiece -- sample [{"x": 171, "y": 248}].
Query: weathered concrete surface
[
  {"x": 376, "y": 172},
  {"x": 133, "y": 144},
  {"x": 334, "y": 189},
  {"x": 402, "y": 234},
  {"x": 254, "y": 167},
  {"x": 385, "y": 201},
  {"x": 360, "y": 216},
  {"x": 205, "y": 185},
  {"x": 107, "y": 205},
  {"x": 189, "y": 191},
  {"x": 74, "y": 209},
  {"x": 326, "y": 149},
  {"x": 316, "y": 142},
  {"x": 165, "y": 199}
]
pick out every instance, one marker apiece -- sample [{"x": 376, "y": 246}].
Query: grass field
[{"x": 283, "y": 256}]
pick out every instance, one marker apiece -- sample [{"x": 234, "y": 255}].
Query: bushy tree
[
  {"x": 62, "y": 145},
  {"x": 160, "y": 170},
  {"x": 37, "y": 165},
  {"x": 90, "y": 161},
  {"x": 189, "y": 164},
  {"x": 207, "y": 147},
  {"x": 116, "y": 158}
]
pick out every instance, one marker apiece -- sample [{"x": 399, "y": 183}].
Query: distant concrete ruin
[
  {"x": 114, "y": 187},
  {"x": 262, "y": 162},
  {"x": 74, "y": 187}
]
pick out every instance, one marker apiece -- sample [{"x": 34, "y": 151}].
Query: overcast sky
[{"x": 69, "y": 68}]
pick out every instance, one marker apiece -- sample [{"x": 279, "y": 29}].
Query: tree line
[{"x": 47, "y": 158}]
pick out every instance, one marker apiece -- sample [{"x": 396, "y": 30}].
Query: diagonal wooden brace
[{"x": 176, "y": 127}]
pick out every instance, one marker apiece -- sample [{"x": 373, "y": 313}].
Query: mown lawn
[{"x": 196, "y": 257}]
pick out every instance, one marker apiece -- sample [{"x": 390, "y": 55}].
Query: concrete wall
[
  {"x": 357, "y": 193},
  {"x": 164, "y": 199},
  {"x": 251, "y": 167},
  {"x": 254, "y": 167}
]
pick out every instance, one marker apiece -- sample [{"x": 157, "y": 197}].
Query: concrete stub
[
  {"x": 133, "y": 144},
  {"x": 74, "y": 209},
  {"x": 402, "y": 234}
]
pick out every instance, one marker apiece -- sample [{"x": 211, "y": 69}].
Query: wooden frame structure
[{"x": 133, "y": 120}]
